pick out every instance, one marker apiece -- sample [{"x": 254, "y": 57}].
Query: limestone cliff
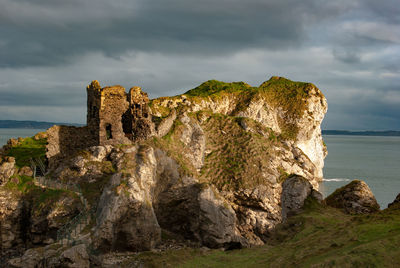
[{"x": 208, "y": 171}]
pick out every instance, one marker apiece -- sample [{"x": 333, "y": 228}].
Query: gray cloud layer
[{"x": 49, "y": 51}]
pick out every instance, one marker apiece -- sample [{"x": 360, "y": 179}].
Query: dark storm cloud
[
  {"x": 51, "y": 49},
  {"x": 54, "y": 32}
]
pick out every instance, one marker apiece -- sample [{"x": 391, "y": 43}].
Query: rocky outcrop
[
  {"x": 125, "y": 217},
  {"x": 299, "y": 123},
  {"x": 295, "y": 190},
  {"x": 53, "y": 256},
  {"x": 209, "y": 168},
  {"x": 354, "y": 198},
  {"x": 7, "y": 168},
  {"x": 11, "y": 215},
  {"x": 396, "y": 203}
]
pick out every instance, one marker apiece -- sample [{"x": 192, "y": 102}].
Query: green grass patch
[
  {"x": 21, "y": 184},
  {"x": 28, "y": 148},
  {"x": 41, "y": 198},
  {"x": 291, "y": 96},
  {"x": 319, "y": 237},
  {"x": 213, "y": 87}
]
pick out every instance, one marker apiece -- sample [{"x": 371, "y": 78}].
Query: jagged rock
[
  {"x": 209, "y": 172},
  {"x": 7, "y": 169},
  {"x": 125, "y": 217},
  {"x": 75, "y": 257},
  {"x": 295, "y": 191},
  {"x": 11, "y": 216},
  {"x": 30, "y": 259},
  {"x": 40, "y": 135},
  {"x": 217, "y": 221},
  {"x": 165, "y": 125},
  {"x": 395, "y": 203},
  {"x": 194, "y": 139},
  {"x": 354, "y": 198},
  {"x": 53, "y": 256},
  {"x": 25, "y": 171}
]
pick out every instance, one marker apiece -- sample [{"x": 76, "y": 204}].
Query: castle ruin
[{"x": 113, "y": 117}]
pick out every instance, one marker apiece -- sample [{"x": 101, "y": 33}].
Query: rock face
[
  {"x": 295, "y": 191},
  {"x": 211, "y": 166},
  {"x": 354, "y": 198},
  {"x": 7, "y": 169},
  {"x": 125, "y": 216},
  {"x": 53, "y": 256},
  {"x": 11, "y": 211}
]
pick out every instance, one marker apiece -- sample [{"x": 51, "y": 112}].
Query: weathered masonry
[{"x": 113, "y": 117}]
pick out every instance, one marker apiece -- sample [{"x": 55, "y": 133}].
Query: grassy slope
[
  {"x": 238, "y": 157},
  {"x": 280, "y": 92},
  {"x": 319, "y": 237},
  {"x": 42, "y": 198}
]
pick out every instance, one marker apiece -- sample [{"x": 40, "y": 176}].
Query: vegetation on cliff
[
  {"x": 278, "y": 92},
  {"x": 27, "y": 148},
  {"x": 321, "y": 236}
]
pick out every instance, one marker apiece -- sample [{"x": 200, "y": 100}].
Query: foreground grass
[{"x": 319, "y": 237}]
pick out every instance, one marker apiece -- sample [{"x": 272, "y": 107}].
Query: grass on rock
[
  {"x": 319, "y": 237},
  {"x": 26, "y": 149}
]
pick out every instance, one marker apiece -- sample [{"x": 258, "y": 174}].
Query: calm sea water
[
  {"x": 7, "y": 133},
  {"x": 375, "y": 160}
]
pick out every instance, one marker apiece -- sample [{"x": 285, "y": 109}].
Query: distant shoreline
[
  {"x": 27, "y": 124},
  {"x": 361, "y": 133}
]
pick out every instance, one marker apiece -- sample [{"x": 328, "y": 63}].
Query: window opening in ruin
[
  {"x": 108, "y": 132},
  {"x": 127, "y": 124},
  {"x": 94, "y": 111}
]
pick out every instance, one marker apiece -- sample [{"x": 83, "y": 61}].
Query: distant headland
[
  {"x": 31, "y": 124},
  {"x": 361, "y": 133},
  {"x": 45, "y": 125}
]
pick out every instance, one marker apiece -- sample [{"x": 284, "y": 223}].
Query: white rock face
[
  {"x": 308, "y": 139},
  {"x": 125, "y": 216}
]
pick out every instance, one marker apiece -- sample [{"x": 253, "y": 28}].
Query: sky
[{"x": 51, "y": 49}]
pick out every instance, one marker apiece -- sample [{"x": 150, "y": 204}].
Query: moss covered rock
[{"x": 354, "y": 198}]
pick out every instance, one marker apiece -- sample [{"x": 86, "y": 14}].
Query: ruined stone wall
[
  {"x": 66, "y": 141},
  {"x": 113, "y": 117},
  {"x": 142, "y": 126},
  {"x": 113, "y": 105},
  {"x": 93, "y": 109}
]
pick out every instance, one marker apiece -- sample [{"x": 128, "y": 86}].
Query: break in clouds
[{"x": 50, "y": 50}]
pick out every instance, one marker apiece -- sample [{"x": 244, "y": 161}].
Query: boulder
[
  {"x": 53, "y": 256},
  {"x": 295, "y": 190},
  {"x": 396, "y": 203},
  {"x": 25, "y": 171},
  {"x": 354, "y": 198},
  {"x": 217, "y": 220},
  {"x": 75, "y": 257},
  {"x": 30, "y": 259}
]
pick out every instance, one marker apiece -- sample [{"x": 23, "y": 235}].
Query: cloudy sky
[{"x": 51, "y": 49}]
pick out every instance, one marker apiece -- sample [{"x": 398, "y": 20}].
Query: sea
[{"x": 375, "y": 160}]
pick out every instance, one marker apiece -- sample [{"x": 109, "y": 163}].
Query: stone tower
[
  {"x": 115, "y": 117},
  {"x": 105, "y": 107},
  {"x": 137, "y": 122}
]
